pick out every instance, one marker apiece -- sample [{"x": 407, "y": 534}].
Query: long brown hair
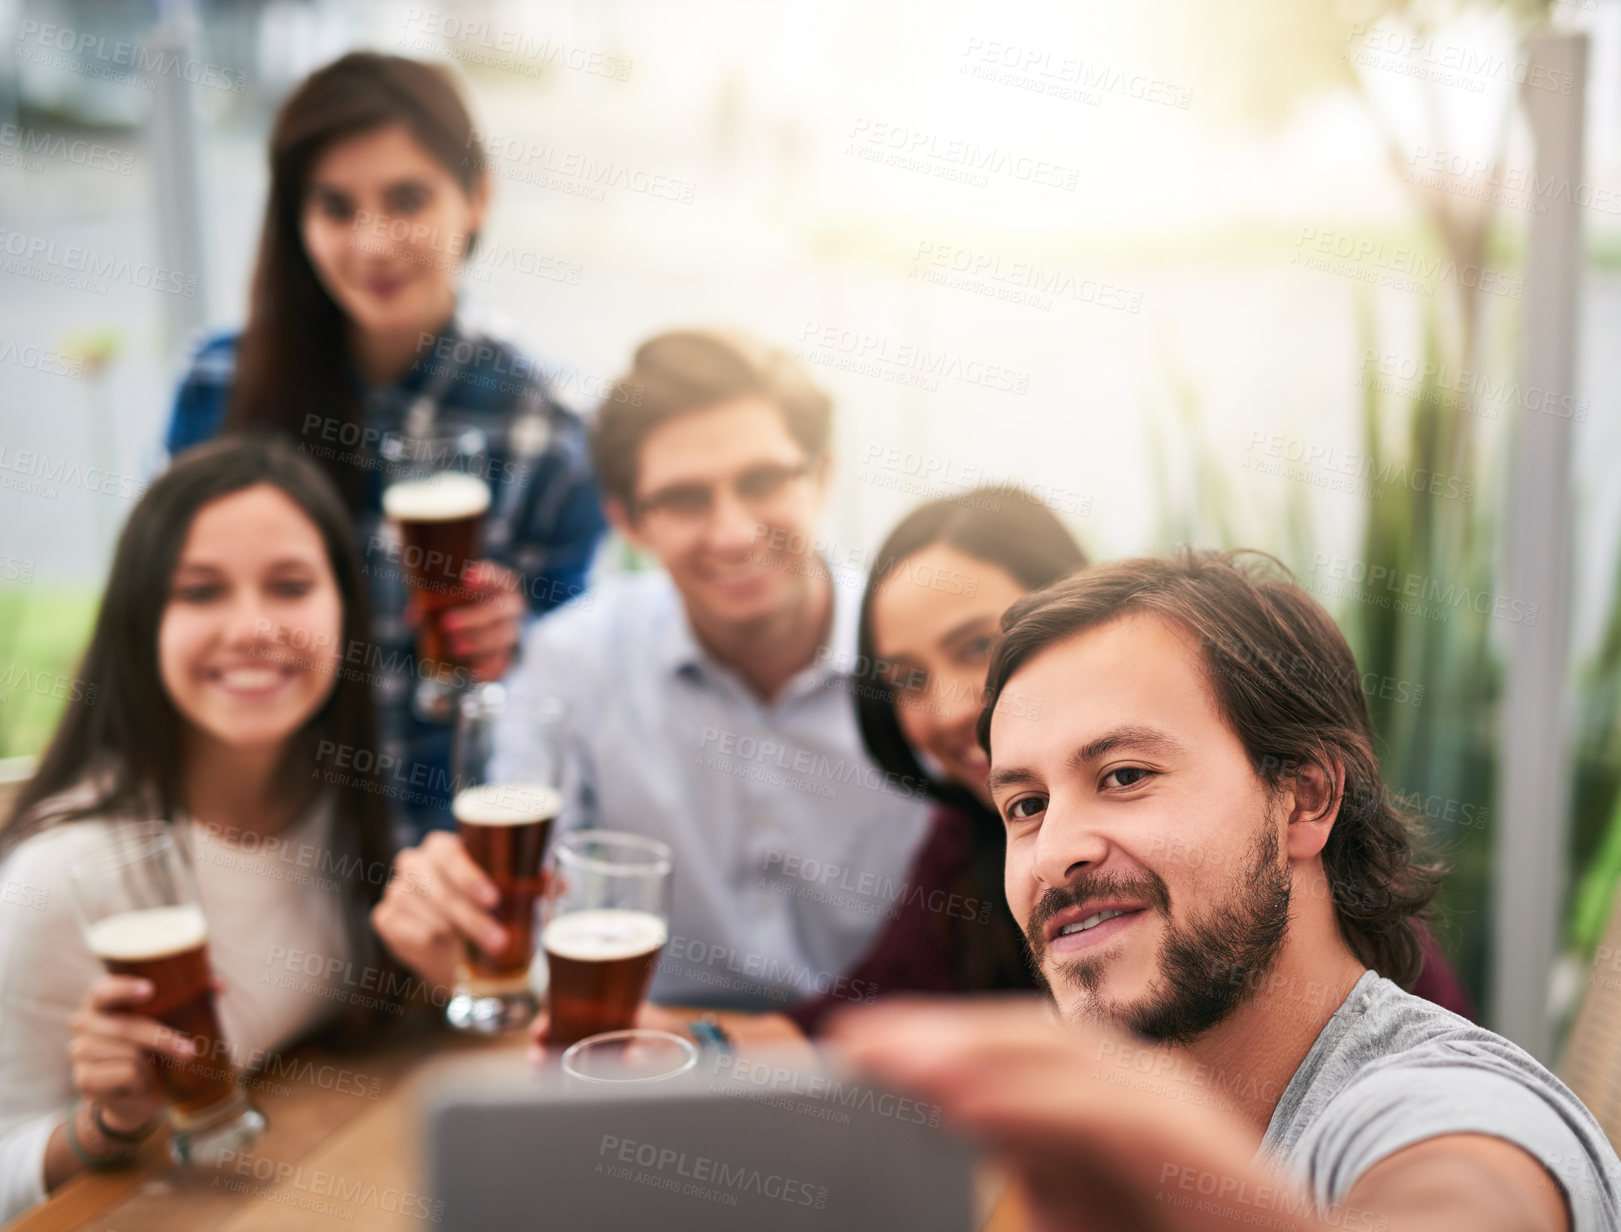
[
  {"x": 1287, "y": 685},
  {"x": 292, "y": 361},
  {"x": 124, "y": 741}
]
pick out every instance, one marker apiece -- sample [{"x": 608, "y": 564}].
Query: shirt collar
[{"x": 679, "y": 652}]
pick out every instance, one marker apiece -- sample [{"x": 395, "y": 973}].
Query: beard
[{"x": 1208, "y": 967}]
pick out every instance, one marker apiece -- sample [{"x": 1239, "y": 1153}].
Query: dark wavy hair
[
  {"x": 1009, "y": 528},
  {"x": 292, "y": 360},
  {"x": 1286, "y": 683},
  {"x": 127, "y": 744}
]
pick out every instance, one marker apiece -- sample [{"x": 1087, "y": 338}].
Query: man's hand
[
  {"x": 436, "y": 901},
  {"x": 485, "y": 634},
  {"x": 1094, "y": 1145}
]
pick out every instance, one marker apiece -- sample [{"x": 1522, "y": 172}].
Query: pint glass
[
  {"x": 136, "y": 896},
  {"x": 504, "y": 807},
  {"x": 633, "y": 1056},
  {"x": 437, "y": 496},
  {"x": 607, "y": 923}
]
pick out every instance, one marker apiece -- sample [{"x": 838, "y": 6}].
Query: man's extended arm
[{"x": 1098, "y": 1154}]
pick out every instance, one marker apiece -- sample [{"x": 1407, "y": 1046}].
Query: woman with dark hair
[
  {"x": 358, "y": 347},
  {"x": 212, "y": 684},
  {"x": 930, "y": 617}
]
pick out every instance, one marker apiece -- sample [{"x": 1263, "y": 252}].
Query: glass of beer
[
  {"x": 437, "y": 496},
  {"x": 505, "y": 802},
  {"x": 608, "y": 920},
  {"x": 136, "y": 896}
]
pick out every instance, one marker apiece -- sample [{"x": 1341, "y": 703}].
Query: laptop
[{"x": 734, "y": 1145}]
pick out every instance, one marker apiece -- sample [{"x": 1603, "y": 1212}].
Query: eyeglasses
[{"x": 756, "y": 487}]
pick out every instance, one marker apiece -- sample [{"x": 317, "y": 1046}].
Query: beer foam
[
  {"x": 506, "y": 804},
  {"x": 155, "y": 932},
  {"x": 603, "y": 935},
  {"x": 444, "y": 498}
]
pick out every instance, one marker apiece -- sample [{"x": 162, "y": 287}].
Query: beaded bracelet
[{"x": 99, "y": 1163}]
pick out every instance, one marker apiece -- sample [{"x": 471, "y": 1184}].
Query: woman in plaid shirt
[{"x": 355, "y": 340}]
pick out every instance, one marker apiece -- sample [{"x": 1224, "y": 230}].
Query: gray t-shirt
[{"x": 1391, "y": 1069}]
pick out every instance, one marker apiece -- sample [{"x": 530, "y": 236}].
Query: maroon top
[{"x": 916, "y": 951}]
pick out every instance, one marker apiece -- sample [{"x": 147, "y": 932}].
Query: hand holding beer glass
[
  {"x": 137, "y": 902},
  {"x": 504, "y": 811},
  {"x": 437, "y": 496},
  {"x": 608, "y": 920}
]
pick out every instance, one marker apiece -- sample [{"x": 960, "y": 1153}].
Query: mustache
[{"x": 1149, "y": 889}]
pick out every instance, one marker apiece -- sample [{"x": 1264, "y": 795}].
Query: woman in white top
[{"x": 213, "y": 695}]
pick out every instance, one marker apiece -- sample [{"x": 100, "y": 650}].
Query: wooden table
[{"x": 341, "y": 1151}]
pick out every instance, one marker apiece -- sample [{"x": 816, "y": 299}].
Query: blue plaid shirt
[{"x": 545, "y": 517}]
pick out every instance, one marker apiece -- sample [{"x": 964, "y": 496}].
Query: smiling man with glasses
[{"x": 706, "y": 697}]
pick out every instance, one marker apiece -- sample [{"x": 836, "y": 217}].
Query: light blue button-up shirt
[{"x": 774, "y": 810}]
